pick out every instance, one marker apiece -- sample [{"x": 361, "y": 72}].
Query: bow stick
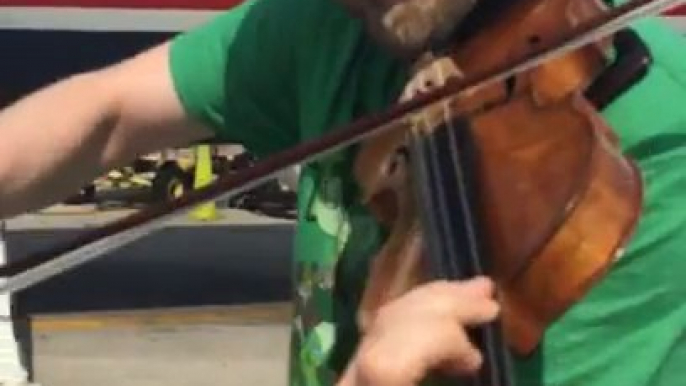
[{"x": 24, "y": 273}]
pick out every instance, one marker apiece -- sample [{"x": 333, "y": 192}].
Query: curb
[{"x": 253, "y": 314}]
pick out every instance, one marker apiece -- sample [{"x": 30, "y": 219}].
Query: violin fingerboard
[
  {"x": 444, "y": 176},
  {"x": 443, "y": 165}
]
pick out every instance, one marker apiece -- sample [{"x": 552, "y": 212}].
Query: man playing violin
[{"x": 272, "y": 73}]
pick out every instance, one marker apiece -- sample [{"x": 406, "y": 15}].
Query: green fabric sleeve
[{"x": 235, "y": 75}]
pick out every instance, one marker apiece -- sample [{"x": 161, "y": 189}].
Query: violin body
[{"x": 555, "y": 199}]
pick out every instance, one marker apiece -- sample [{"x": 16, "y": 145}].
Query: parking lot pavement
[{"x": 186, "y": 355}]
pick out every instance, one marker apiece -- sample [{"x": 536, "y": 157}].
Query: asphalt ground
[
  {"x": 206, "y": 348},
  {"x": 182, "y": 355}
]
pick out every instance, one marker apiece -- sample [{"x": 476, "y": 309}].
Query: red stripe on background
[
  {"x": 165, "y": 4},
  {"x": 169, "y": 4},
  {"x": 678, "y": 11},
  {"x": 138, "y": 4}
]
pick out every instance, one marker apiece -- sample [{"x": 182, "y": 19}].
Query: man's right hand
[{"x": 59, "y": 138}]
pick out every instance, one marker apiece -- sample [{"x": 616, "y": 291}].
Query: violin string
[
  {"x": 450, "y": 261},
  {"x": 459, "y": 174},
  {"x": 464, "y": 256}
]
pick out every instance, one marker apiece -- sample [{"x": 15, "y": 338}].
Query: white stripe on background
[
  {"x": 121, "y": 19},
  {"x": 101, "y": 19},
  {"x": 678, "y": 22}
]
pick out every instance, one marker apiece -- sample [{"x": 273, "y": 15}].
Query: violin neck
[{"x": 444, "y": 170}]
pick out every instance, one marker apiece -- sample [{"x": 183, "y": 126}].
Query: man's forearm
[
  {"x": 58, "y": 139},
  {"x": 53, "y": 142}
]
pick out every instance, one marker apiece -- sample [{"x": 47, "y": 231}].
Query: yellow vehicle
[
  {"x": 169, "y": 175},
  {"x": 156, "y": 177}
]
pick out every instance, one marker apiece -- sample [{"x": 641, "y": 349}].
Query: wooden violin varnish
[{"x": 521, "y": 180}]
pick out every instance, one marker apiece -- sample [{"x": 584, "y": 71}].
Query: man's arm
[
  {"x": 60, "y": 138},
  {"x": 223, "y": 74}
]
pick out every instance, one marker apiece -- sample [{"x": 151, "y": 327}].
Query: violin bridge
[{"x": 430, "y": 73}]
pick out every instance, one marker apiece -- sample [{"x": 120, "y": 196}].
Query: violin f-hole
[
  {"x": 510, "y": 85},
  {"x": 401, "y": 156}
]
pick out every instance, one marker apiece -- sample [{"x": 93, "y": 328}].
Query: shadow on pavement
[{"x": 181, "y": 266}]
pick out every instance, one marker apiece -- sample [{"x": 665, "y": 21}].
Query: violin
[
  {"x": 521, "y": 180},
  {"x": 505, "y": 168}
]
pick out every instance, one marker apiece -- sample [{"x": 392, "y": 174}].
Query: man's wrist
[{"x": 349, "y": 375}]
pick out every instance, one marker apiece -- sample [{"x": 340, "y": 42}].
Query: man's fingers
[
  {"x": 469, "y": 302},
  {"x": 479, "y": 286},
  {"x": 449, "y": 351},
  {"x": 482, "y": 311},
  {"x": 459, "y": 354}
]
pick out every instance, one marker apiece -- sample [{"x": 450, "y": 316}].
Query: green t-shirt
[{"x": 271, "y": 73}]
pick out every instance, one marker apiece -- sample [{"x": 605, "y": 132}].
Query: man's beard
[{"x": 409, "y": 27}]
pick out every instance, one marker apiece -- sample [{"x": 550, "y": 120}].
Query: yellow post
[{"x": 203, "y": 177}]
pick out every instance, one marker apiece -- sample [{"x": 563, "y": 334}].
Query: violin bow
[{"x": 92, "y": 244}]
